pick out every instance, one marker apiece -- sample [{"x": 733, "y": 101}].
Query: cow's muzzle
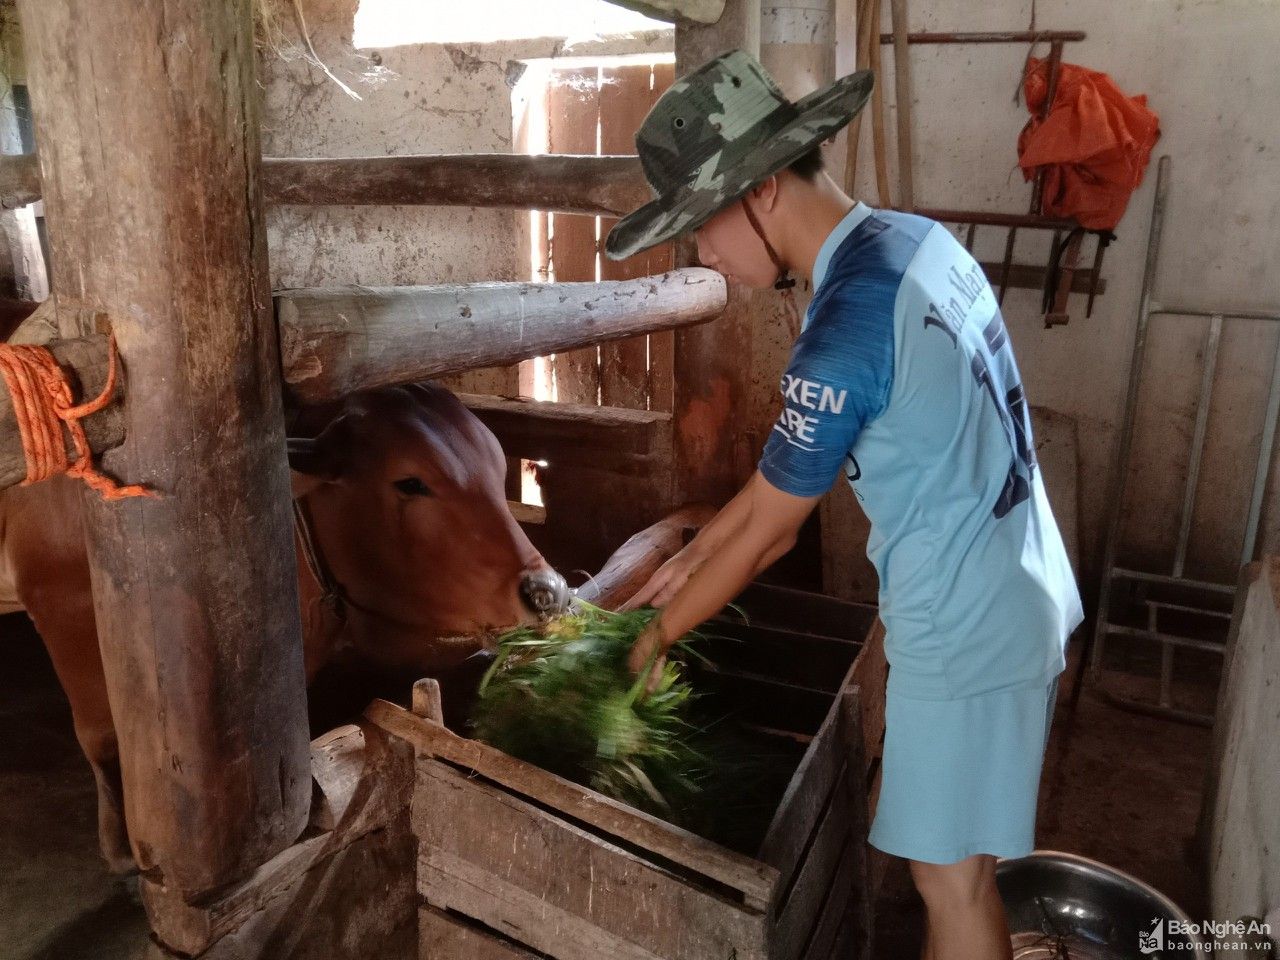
[{"x": 544, "y": 592}]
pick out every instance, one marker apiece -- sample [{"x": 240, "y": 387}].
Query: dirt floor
[
  {"x": 1118, "y": 787},
  {"x": 57, "y": 901}
]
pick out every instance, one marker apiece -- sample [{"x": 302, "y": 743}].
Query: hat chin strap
[{"x": 784, "y": 282}]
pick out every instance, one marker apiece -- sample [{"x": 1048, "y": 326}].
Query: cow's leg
[
  {"x": 66, "y": 624},
  {"x": 113, "y": 838},
  {"x": 43, "y": 539}
]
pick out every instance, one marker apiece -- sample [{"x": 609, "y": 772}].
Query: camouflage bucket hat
[{"x": 718, "y": 132}]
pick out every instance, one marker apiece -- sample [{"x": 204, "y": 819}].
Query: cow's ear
[{"x": 311, "y": 463}]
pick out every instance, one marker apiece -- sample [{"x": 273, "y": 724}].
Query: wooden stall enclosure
[
  {"x": 514, "y": 862},
  {"x": 254, "y": 845}
]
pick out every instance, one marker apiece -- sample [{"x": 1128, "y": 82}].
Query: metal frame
[
  {"x": 1150, "y": 307},
  {"x": 1058, "y": 280}
]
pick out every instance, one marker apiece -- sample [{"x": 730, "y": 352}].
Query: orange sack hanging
[{"x": 1094, "y": 145}]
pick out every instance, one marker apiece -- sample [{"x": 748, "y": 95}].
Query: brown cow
[{"x": 414, "y": 552}]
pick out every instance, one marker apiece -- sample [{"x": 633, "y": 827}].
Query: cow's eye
[{"x": 413, "y": 487}]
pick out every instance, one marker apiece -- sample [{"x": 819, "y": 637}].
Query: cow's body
[{"x": 407, "y": 512}]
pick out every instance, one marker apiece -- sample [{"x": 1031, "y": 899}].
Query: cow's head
[{"x": 405, "y": 489}]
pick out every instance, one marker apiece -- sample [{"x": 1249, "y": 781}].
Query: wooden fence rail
[
  {"x": 599, "y": 186},
  {"x": 337, "y": 341}
]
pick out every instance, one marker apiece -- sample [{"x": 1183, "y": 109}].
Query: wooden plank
[
  {"x": 614, "y": 373},
  {"x": 861, "y": 904},
  {"x": 195, "y": 591},
  {"x": 711, "y": 374},
  {"x": 626, "y": 95},
  {"x": 846, "y": 943},
  {"x": 752, "y": 879},
  {"x": 593, "y": 185},
  {"x": 338, "y": 760},
  {"x": 527, "y": 513},
  {"x": 761, "y": 699},
  {"x": 815, "y": 777},
  {"x": 801, "y": 913},
  {"x": 1238, "y": 805},
  {"x": 806, "y": 611},
  {"x": 573, "y": 115},
  {"x": 445, "y": 936},
  {"x": 558, "y": 888},
  {"x": 809, "y": 913},
  {"x": 870, "y": 675},
  {"x": 806, "y": 797},
  {"x": 805, "y": 659},
  {"x": 574, "y": 434},
  {"x": 662, "y": 345},
  {"x": 337, "y": 340},
  {"x": 835, "y": 908}
]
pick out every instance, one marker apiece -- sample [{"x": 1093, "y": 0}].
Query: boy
[{"x": 904, "y": 378}]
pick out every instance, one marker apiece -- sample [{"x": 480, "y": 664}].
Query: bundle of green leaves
[{"x": 560, "y": 695}]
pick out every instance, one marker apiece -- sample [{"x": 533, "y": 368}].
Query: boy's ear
[{"x": 766, "y": 191}]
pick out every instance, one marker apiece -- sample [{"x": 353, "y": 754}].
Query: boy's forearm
[
  {"x": 727, "y": 521},
  {"x": 719, "y": 579}
]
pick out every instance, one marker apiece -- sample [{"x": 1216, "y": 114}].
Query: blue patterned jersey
[{"x": 904, "y": 378}]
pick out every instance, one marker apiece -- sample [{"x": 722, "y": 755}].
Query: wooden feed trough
[{"x": 515, "y": 863}]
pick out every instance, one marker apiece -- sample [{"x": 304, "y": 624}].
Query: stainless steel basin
[{"x": 1065, "y": 907}]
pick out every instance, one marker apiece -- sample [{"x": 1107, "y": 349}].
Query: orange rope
[{"x": 42, "y": 404}]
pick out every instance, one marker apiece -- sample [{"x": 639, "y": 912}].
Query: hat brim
[{"x": 819, "y": 116}]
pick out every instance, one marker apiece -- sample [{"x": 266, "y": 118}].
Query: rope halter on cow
[{"x": 43, "y": 404}]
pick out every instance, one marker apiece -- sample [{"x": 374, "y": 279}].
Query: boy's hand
[
  {"x": 666, "y": 581},
  {"x": 651, "y": 639}
]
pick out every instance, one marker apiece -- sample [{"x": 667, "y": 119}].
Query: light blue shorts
[{"x": 960, "y": 777}]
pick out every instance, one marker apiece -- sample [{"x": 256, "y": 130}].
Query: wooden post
[
  {"x": 713, "y": 362},
  {"x": 147, "y": 126}
]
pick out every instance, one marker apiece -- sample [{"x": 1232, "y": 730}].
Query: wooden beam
[
  {"x": 195, "y": 591},
  {"x": 337, "y": 340},
  {"x": 599, "y": 186},
  {"x": 573, "y": 434}
]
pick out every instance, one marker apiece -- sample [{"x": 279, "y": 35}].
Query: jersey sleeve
[{"x": 836, "y": 382}]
